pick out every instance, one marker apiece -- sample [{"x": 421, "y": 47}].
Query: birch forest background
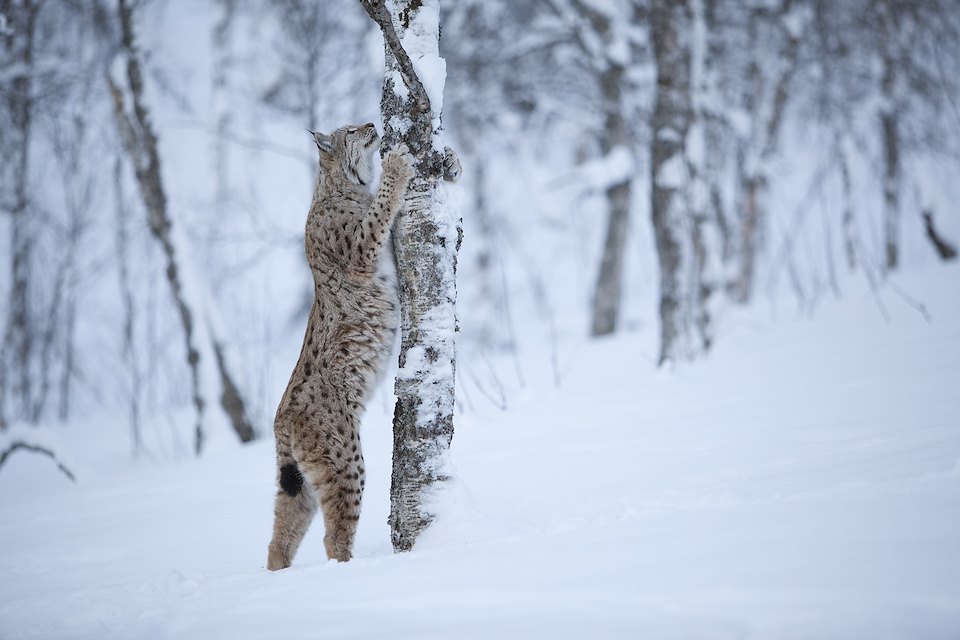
[{"x": 708, "y": 270}]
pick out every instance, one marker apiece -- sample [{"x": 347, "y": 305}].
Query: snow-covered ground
[{"x": 802, "y": 482}]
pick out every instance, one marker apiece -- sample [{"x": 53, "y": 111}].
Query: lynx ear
[{"x": 324, "y": 142}]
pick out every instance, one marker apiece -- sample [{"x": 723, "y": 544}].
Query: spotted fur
[{"x": 349, "y": 334}]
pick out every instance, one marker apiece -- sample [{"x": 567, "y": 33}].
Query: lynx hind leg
[
  {"x": 294, "y": 510},
  {"x": 337, "y": 475}
]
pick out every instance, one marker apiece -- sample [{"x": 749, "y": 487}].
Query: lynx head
[{"x": 349, "y": 151}]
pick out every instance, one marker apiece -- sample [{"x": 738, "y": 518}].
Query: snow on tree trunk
[
  {"x": 426, "y": 240},
  {"x": 206, "y": 353}
]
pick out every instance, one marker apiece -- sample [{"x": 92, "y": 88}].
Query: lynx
[{"x": 349, "y": 335}]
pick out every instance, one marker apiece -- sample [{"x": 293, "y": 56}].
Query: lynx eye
[{"x": 351, "y": 130}]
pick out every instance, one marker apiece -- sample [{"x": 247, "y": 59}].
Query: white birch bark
[
  {"x": 426, "y": 238},
  {"x": 678, "y": 194},
  {"x": 702, "y": 153},
  {"x": 672, "y": 223}
]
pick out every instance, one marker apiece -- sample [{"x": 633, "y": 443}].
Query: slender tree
[
  {"x": 205, "y": 348},
  {"x": 19, "y": 342},
  {"x": 766, "y": 96},
  {"x": 678, "y": 191},
  {"x": 889, "y": 116},
  {"x": 601, "y": 36},
  {"x": 426, "y": 241}
]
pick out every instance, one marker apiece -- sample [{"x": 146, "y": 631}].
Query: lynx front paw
[
  {"x": 451, "y": 165},
  {"x": 398, "y": 163}
]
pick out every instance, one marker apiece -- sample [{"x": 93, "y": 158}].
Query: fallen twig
[{"x": 19, "y": 444}]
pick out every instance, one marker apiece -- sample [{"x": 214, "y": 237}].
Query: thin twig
[
  {"x": 500, "y": 404},
  {"x": 868, "y": 272},
  {"x": 253, "y": 144},
  {"x": 511, "y": 332},
  {"x": 554, "y": 350},
  {"x": 797, "y": 220},
  {"x": 913, "y": 302}
]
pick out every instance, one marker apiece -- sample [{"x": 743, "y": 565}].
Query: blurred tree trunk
[
  {"x": 849, "y": 216},
  {"x": 130, "y": 356},
  {"x": 687, "y": 235},
  {"x": 889, "y": 125},
  {"x": 205, "y": 356},
  {"x": 222, "y": 63},
  {"x": 705, "y": 160},
  {"x": 713, "y": 115},
  {"x": 766, "y": 100},
  {"x": 608, "y": 291},
  {"x": 426, "y": 239},
  {"x": 672, "y": 115},
  {"x": 17, "y": 351},
  {"x": 599, "y": 35}
]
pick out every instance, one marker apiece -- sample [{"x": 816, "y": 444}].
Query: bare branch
[
  {"x": 945, "y": 250},
  {"x": 378, "y": 12},
  {"x": 19, "y": 444}
]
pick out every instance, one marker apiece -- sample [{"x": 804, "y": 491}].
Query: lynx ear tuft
[{"x": 324, "y": 142}]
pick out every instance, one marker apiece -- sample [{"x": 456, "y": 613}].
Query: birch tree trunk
[
  {"x": 704, "y": 161},
  {"x": 17, "y": 350},
  {"x": 672, "y": 224},
  {"x": 891, "y": 166},
  {"x": 767, "y": 103},
  {"x": 848, "y": 220},
  {"x": 616, "y": 133},
  {"x": 205, "y": 350},
  {"x": 426, "y": 239},
  {"x": 607, "y": 293},
  {"x": 599, "y": 32},
  {"x": 222, "y": 63}
]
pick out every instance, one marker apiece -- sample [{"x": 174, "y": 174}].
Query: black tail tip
[{"x": 291, "y": 480}]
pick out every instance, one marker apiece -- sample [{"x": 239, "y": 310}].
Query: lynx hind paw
[{"x": 451, "y": 165}]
